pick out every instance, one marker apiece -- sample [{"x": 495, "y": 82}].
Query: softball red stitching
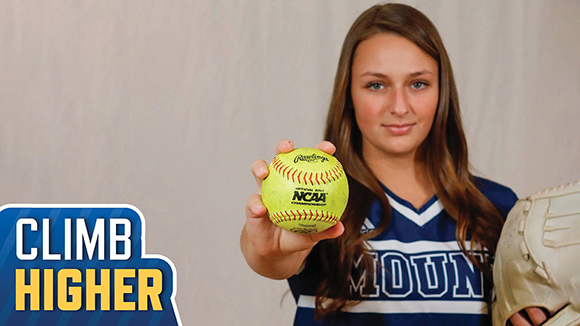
[
  {"x": 297, "y": 215},
  {"x": 277, "y": 163},
  {"x": 289, "y": 173}
]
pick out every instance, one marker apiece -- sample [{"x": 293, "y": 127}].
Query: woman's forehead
[{"x": 390, "y": 53}]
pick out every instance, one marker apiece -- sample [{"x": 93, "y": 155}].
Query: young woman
[{"x": 417, "y": 238}]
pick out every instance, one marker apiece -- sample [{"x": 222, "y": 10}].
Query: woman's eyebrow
[
  {"x": 419, "y": 73},
  {"x": 374, "y": 74}
]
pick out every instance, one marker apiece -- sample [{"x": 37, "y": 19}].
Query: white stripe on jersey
[
  {"x": 416, "y": 246},
  {"x": 368, "y": 225},
  {"x": 407, "y": 307},
  {"x": 419, "y": 219}
]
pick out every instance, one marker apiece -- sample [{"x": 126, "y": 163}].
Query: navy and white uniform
[{"x": 425, "y": 280}]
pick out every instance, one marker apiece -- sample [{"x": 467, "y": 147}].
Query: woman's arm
[{"x": 270, "y": 250}]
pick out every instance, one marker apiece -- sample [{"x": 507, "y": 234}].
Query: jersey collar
[{"x": 419, "y": 216}]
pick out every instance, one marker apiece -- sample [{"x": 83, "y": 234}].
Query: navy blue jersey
[{"x": 420, "y": 277}]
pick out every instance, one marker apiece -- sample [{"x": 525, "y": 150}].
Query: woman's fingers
[
  {"x": 260, "y": 172},
  {"x": 284, "y": 146},
  {"x": 329, "y": 233},
  {"x": 519, "y": 320},
  {"x": 254, "y": 207},
  {"x": 536, "y": 315},
  {"x": 326, "y": 147},
  {"x": 293, "y": 242},
  {"x": 531, "y": 316}
]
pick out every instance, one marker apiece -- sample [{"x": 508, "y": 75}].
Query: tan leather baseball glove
[{"x": 537, "y": 261}]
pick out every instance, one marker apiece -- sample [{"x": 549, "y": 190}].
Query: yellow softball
[{"x": 306, "y": 191}]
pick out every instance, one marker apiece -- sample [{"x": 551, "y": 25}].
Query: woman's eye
[
  {"x": 375, "y": 86},
  {"x": 418, "y": 85}
]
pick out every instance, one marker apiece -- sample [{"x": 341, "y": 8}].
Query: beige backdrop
[{"x": 165, "y": 104}]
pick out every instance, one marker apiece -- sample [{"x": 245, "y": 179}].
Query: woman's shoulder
[{"x": 503, "y": 197}]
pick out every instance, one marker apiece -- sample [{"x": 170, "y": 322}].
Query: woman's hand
[
  {"x": 270, "y": 250},
  {"x": 532, "y": 316}
]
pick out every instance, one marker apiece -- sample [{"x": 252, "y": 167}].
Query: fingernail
[
  {"x": 258, "y": 209},
  {"x": 262, "y": 171}
]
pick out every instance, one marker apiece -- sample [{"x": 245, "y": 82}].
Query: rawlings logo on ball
[
  {"x": 306, "y": 191},
  {"x": 310, "y": 158}
]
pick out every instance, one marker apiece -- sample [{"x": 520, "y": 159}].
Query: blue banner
[{"x": 81, "y": 265}]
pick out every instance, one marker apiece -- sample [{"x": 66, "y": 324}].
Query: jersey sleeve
[{"x": 502, "y": 197}]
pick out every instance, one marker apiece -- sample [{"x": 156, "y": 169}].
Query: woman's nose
[{"x": 399, "y": 103}]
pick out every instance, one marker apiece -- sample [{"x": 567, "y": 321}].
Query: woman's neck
[{"x": 406, "y": 176}]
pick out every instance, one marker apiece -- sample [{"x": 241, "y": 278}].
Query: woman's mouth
[{"x": 399, "y": 129}]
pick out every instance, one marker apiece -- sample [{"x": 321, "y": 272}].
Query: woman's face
[{"x": 395, "y": 92}]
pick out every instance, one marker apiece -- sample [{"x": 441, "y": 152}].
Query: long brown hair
[{"x": 444, "y": 150}]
